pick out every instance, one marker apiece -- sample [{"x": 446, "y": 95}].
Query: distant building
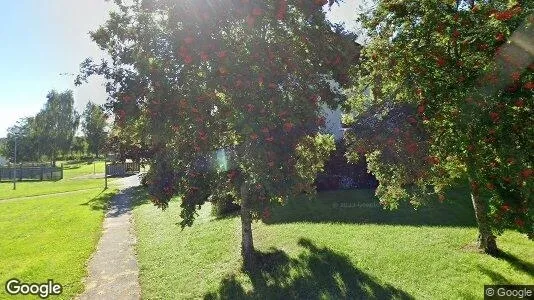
[
  {"x": 333, "y": 122},
  {"x": 332, "y": 117}
]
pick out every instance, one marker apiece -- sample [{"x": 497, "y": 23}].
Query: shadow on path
[
  {"x": 123, "y": 203},
  {"x": 317, "y": 273},
  {"x": 113, "y": 269}
]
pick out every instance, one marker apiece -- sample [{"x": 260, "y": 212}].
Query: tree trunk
[
  {"x": 247, "y": 244},
  {"x": 486, "y": 240}
]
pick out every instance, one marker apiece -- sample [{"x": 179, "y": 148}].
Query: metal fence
[
  {"x": 31, "y": 172},
  {"x": 122, "y": 169}
]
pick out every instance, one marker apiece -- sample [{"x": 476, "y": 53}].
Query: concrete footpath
[{"x": 113, "y": 270}]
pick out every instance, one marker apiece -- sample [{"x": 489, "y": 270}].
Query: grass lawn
[
  {"x": 51, "y": 236},
  {"x": 76, "y": 177},
  {"x": 341, "y": 245},
  {"x": 82, "y": 168}
]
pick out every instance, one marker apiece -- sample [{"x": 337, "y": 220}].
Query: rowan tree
[
  {"x": 227, "y": 95},
  {"x": 462, "y": 72}
]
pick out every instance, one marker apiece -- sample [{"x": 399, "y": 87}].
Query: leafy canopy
[
  {"x": 94, "y": 127},
  {"x": 450, "y": 85},
  {"x": 56, "y": 124},
  {"x": 225, "y": 93}
]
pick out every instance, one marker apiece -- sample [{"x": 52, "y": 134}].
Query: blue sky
[{"x": 42, "y": 39}]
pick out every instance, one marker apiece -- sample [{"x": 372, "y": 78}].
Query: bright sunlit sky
[{"x": 39, "y": 40}]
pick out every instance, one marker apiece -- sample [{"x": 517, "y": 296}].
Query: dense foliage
[
  {"x": 50, "y": 133},
  {"x": 23, "y": 133},
  {"x": 94, "y": 127},
  {"x": 56, "y": 124},
  {"x": 451, "y": 83},
  {"x": 226, "y": 94}
]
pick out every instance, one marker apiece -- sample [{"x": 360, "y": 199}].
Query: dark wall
[{"x": 339, "y": 174}]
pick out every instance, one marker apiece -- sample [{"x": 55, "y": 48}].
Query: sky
[{"x": 40, "y": 40}]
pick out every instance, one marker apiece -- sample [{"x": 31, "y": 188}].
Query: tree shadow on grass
[
  {"x": 229, "y": 215},
  {"x": 139, "y": 195},
  {"x": 361, "y": 206},
  {"x": 100, "y": 201},
  {"x": 516, "y": 262},
  {"x": 317, "y": 273},
  {"x": 496, "y": 278}
]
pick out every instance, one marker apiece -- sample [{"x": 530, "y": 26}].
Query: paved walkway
[{"x": 113, "y": 270}]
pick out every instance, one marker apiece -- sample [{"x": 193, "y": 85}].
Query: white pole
[
  {"x": 15, "y": 167},
  {"x": 106, "y": 174}
]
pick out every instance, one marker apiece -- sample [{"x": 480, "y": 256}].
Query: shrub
[{"x": 223, "y": 206}]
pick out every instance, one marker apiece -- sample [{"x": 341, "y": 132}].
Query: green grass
[
  {"x": 74, "y": 179},
  {"x": 83, "y": 168},
  {"x": 51, "y": 236},
  {"x": 338, "y": 246},
  {"x": 28, "y": 189}
]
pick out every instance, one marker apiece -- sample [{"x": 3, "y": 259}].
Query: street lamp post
[
  {"x": 106, "y": 173},
  {"x": 15, "y": 167}
]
